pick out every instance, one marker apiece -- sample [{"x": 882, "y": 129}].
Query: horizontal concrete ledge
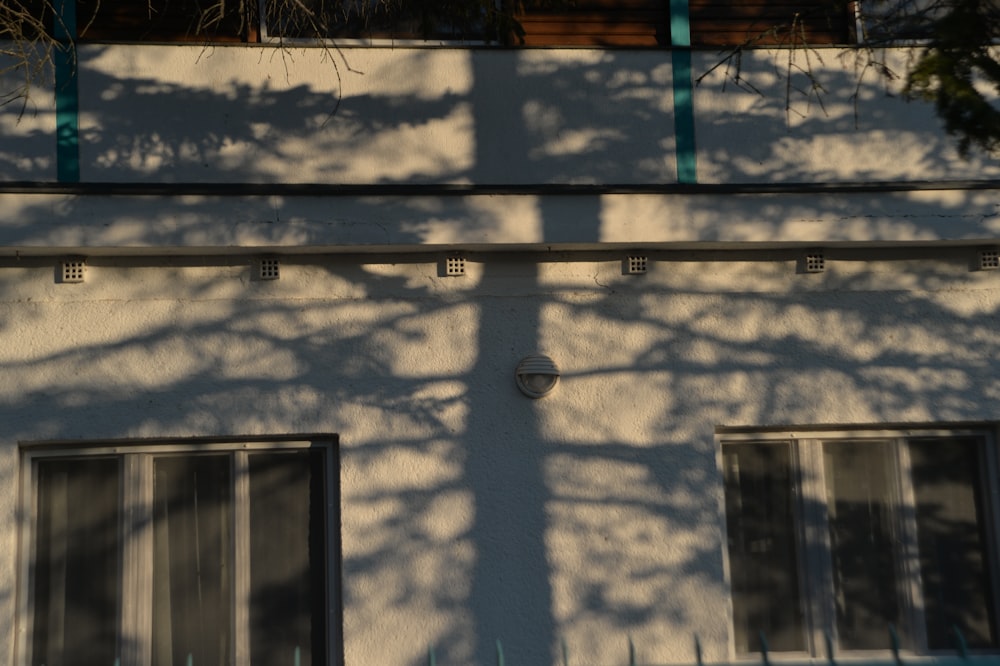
[{"x": 477, "y": 189}]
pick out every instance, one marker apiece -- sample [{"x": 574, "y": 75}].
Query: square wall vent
[
  {"x": 454, "y": 265},
  {"x": 815, "y": 262},
  {"x": 989, "y": 260},
  {"x": 636, "y": 264},
  {"x": 268, "y": 268},
  {"x": 72, "y": 271}
]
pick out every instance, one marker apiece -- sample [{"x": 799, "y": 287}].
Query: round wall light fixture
[{"x": 536, "y": 375}]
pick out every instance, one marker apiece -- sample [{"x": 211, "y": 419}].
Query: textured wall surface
[
  {"x": 439, "y": 115},
  {"x": 469, "y": 512}
]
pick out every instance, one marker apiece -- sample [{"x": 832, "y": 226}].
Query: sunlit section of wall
[
  {"x": 410, "y": 115},
  {"x": 593, "y": 512},
  {"x": 819, "y": 115},
  {"x": 261, "y": 114},
  {"x": 408, "y": 554},
  {"x": 399, "y": 115}
]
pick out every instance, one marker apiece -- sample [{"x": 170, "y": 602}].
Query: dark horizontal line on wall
[
  {"x": 154, "y": 441},
  {"x": 458, "y": 190}
]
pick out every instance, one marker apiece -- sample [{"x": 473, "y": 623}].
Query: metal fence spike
[
  {"x": 963, "y": 648},
  {"x": 697, "y": 650},
  {"x": 894, "y": 640},
  {"x": 499, "y": 653}
]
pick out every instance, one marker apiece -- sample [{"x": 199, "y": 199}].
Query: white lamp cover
[{"x": 536, "y": 375}]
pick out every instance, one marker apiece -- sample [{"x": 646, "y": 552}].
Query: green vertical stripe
[
  {"x": 680, "y": 40},
  {"x": 67, "y": 96}
]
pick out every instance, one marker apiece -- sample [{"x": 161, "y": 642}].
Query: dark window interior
[
  {"x": 769, "y": 22},
  {"x": 287, "y": 558},
  {"x": 215, "y": 534},
  {"x": 952, "y": 542},
  {"x": 78, "y": 551},
  {"x": 862, "y": 505},
  {"x": 901, "y": 538},
  {"x": 608, "y": 23},
  {"x": 762, "y": 547},
  {"x": 192, "y": 569},
  {"x": 166, "y": 20}
]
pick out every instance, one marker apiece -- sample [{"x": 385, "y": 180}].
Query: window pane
[
  {"x": 167, "y": 20},
  {"x": 862, "y": 492},
  {"x": 887, "y": 20},
  {"x": 435, "y": 19},
  {"x": 192, "y": 579},
  {"x": 287, "y": 555},
  {"x": 763, "y": 23},
  {"x": 762, "y": 546},
  {"x": 78, "y": 550},
  {"x": 956, "y": 584}
]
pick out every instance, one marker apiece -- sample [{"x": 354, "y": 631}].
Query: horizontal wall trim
[
  {"x": 461, "y": 190},
  {"x": 900, "y": 428},
  {"x": 313, "y": 438}
]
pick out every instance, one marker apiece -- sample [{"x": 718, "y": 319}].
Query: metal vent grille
[
  {"x": 636, "y": 264},
  {"x": 989, "y": 260},
  {"x": 815, "y": 262},
  {"x": 269, "y": 269},
  {"x": 454, "y": 266},
  {"x": 72, "y": 271}
]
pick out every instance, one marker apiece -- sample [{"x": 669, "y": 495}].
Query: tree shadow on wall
[{"x": 481, "y": 514}]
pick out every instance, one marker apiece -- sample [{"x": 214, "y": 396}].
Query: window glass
[
  {"x": 762, "y": 548},
  {"x": 762, "y": 22},
  {"x": 629, "y": 23},
  {"x": 78, "y": 550},
  {"x": 890, "y": 20},
  {"x": 632, "y": 23},
  {"x": 864, "y": 524},
  {"x": 886, "y": 533},
  {"x": 952, "y": 542},
  {"x": 165, "y": 20},
  {"x": 176, "y": 556},
  {"x": 287, "y": 552},
  {"x": 423, "y": 19},
  {"x": 192, "y": 546}
]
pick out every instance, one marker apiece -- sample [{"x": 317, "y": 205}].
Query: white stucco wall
[
  {"x": 407, "y": 115},
  {"x": 469, "y": 512},
  {"x": 373, "y": 115}
]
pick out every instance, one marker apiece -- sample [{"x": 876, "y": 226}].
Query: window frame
[
  {"x": 810, "y": 526},
  {"x": 135, "y": 460},
  {"x": 264, "y": 36},
  {"x": 636, "y": 24}
]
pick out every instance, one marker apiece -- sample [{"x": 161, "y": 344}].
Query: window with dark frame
[
  {"x": 594, "y": 23},
  {"x": 166, "y": 20},
  {"x": 173, "y": 554},
  {"x": 626, "y": 23},
  {"x": 852, "y": 535},
  {"x": 922, "y": 22},
  {"x": 750, "y": 23},
  {"x": 629, "y": 23}
]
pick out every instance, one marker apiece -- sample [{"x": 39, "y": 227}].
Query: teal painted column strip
[
  {"x": 680, "y": 41},
  {"x": 67, "y": 95}
]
